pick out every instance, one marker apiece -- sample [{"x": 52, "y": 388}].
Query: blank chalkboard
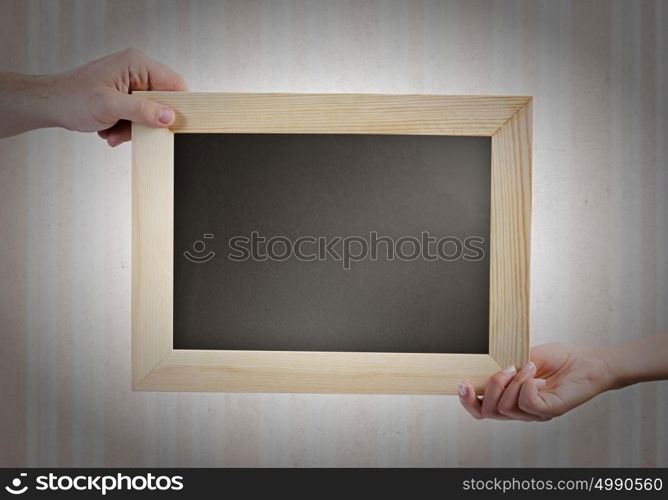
[{"x": 270, "y": 233}]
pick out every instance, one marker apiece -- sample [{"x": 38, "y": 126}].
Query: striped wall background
[{"x": 598, "y": 72}]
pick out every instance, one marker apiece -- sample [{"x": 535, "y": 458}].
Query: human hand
[
  {"x": 557, "y": 379},
  {"x": 95, "y": 97}
]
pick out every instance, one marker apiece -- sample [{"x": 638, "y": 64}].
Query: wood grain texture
[
  {"x": 338, "y": 113},
  {"x": 320, "y": 372},
  {"x": 239, "y": 371},
  {"x": 510, "y": 240},
  {"x": 152, "y": 247}
]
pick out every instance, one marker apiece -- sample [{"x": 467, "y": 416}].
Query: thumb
[{"x": 142, "y": 111}]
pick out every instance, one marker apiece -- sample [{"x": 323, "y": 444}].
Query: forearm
[
  {"x": 26, "y": 102},
  {"x": 639, "y": 361}
]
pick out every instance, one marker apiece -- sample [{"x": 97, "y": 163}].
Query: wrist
[
  {"x": 615, "y": 358},
  {"x": 31, "y": 99},
  {"x": 42, "y": 100}
]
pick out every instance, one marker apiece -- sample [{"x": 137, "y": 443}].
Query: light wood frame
[{"x": 157, "y": 366}]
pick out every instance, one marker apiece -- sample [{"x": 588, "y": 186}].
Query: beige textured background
[{"x": 598, "y": 71}]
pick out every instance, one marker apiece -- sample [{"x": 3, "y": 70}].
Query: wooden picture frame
[{"x": 157, "y": 366}]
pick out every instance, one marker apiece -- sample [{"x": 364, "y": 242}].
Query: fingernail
[
  {"x": 509, "y": 369},
  {"x": 166, "y": 116},
  {"x": 529, "y": 367},
  {"x": 540, "y": 382},
  {"x": 463, "y": 389}
]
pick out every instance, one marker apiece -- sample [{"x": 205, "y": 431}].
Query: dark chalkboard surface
[{"x": 426, "y": 197}]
